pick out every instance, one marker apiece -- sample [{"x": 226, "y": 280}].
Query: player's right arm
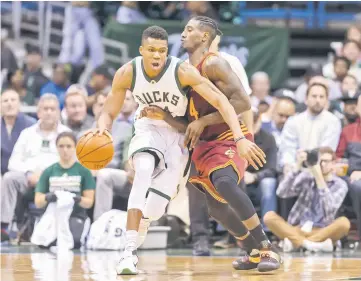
[{"x": 113, "y": 104}]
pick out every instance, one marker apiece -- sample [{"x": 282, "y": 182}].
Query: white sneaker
[
  {"x": 327, "y": 246},
  {"x": 127, "y": 264},
  {"x": 142, "y": 231}
]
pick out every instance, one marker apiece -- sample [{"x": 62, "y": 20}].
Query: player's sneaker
[
  {"x": 142, "y": 231},
  {"x": 247, "y": 261},
  {"x": 270, "y": 259},
  {"x": 127, "y": 264}
]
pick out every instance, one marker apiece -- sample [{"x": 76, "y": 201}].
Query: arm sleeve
[
  {"x": 289, "y": 142},
  {"x": 88, "y": 181},
  {"x": 332, "y": 134},
  {"x": 17, "y": 161},
  {"x": 43, "y": 184}
]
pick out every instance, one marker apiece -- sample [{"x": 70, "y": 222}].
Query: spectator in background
[
  {"x": 100, "y": 81},
  {"x": 59, "y": 83},
  {"x": 313, "y": 128},
  {"x": 354, "y": 33},
  {"x": 8, "y": 59},
  {"x": 76, "y": 111},
  {"x": 13, "y": 122},
  {"x": 352, "y": 51},
  {"x": 33, "y": 152},
  {"x": 314, "y": 75},
  {"x": 273, "y": 122},
  {"x": 349, "y": 86},
  {"x": 260, "y": 85},
  {"x": 341, "y": 66},
  {"x": 350, "y": 148},
  {"x": 129, "y": 12},
  {"x": 345, "y": 109},
  {"x": 34, "y": 79},
  {"x": 80, "y": 22},
  {"x": 117, "y": 176},
  {"x": 199, "y": 8},
  {"x": 15, "y": 81},
  {"x": 311, "y": 222},
  {"x": 68, "y": 175}
]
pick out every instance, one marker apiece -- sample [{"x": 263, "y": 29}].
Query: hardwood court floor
[{"x": 28, "y": 265}]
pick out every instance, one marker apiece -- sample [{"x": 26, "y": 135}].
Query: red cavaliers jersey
[{"x": 198, "y": 107}]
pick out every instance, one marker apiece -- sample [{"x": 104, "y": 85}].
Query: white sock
[
  {"x": 131, "y": 237},
  {"x": 143, "y": 230},
  {"x": 325, "y": 246}
]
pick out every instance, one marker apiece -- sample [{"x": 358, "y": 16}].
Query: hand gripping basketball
[{"x": 94, "y": 151}]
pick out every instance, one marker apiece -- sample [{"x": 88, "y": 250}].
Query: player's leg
[
  {"x": 144, "y": 165},
  {"x": 225, "y": 182},
  {"x": 225, "y": 215}
]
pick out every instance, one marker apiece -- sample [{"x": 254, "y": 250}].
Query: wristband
[{"x": 238, "y": 139}]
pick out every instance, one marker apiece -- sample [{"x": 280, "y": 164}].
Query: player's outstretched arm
[
  {"x": 189, "y": 76},
  {"x": 113, "y": 104},
  {"x": 221, "y": 74}
]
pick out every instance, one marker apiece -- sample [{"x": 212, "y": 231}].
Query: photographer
[{"x": 311, "y": 222}]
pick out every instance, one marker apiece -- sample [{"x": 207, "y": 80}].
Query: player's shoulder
[{"x": 215, "y": 60}]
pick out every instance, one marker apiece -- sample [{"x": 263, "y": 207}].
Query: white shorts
[{"x": 167, "y": 143}]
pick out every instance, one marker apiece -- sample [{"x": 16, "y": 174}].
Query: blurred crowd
[{"x": 324, "y": 113}]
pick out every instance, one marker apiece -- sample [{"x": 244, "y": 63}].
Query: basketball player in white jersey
[{"x": 156, "y": 151}]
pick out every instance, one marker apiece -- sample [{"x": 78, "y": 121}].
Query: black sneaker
[
  {"x": 201, "y": 247},
  {"x": 247, "y": 261}
]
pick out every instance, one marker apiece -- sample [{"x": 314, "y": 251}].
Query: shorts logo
[{"x": 230, "y": 153}]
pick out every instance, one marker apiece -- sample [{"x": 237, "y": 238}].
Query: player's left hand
[
  {"x": 251, "y": 152},
  {"x": 153, "y": 112},
  {"x": 193, "y": 132}
]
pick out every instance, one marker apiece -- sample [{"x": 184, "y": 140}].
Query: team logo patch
[
  {"x": 230, "y": 153},
  {"x": 152, "y": 82}
]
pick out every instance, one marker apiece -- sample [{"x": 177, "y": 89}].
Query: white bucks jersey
[{"x": 164, "y": 90}]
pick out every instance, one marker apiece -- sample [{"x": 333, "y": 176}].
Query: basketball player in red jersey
[{"x": 219, "y": 167}]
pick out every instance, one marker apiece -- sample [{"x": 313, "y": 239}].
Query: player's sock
[
  {"x": 143, "y": 230},
  {"x": 248, "y": 243},
  {"x": 131, "y": 237}
]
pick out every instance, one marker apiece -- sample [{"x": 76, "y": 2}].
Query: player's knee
[
  {"x": 223, "y": 182},
  {"x": 155, "y": 206}
]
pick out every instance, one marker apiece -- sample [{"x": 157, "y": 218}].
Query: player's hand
[
  {"x": 99, "y": 131},
  {"x": 193, "y": 132},
  {"x": 153, "y": 112},
  {"x": 251, "y": 152},
  {"x": 355, "y": 176}
]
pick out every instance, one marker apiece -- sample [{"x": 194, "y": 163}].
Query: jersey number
[{"x": 192, "y": 110}]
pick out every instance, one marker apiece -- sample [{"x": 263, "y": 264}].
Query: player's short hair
[
  {"x": 155, "y": 32},
  {"x": 210, "y": 24},
  {"x": 66, "y": 135}
]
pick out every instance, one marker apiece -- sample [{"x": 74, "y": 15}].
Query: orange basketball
[{"x": 94, "y": 151}]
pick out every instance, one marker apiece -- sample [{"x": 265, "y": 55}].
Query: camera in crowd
[{"x": 312, "y": 158}]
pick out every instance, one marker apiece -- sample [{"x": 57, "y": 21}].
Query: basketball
[{"x": 94, "y": 151}]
